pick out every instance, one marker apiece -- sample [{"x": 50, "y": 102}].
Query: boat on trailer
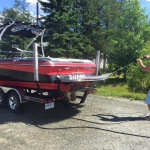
[{"x": 28, "y": 76}]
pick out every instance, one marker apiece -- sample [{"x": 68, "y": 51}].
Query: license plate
[{"x": 49, "y": 105}]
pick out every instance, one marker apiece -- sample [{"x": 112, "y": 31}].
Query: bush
[{"x": 138, "y": 80}]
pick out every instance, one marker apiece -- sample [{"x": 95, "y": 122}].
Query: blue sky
[
  {"x": 32, "y": 6},
  {"x": 9, "y": 3},
  {"x": 146, "y": 4}
]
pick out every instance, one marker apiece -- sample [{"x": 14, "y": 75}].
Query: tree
[
  {"x": 61, "y": 25},
  {"x": 138, "y": 80},
  {"x": 107, "y": 15},
  {"x": 131, "y": 34}
]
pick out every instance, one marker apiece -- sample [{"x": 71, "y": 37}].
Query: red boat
[
  {"x": 42, "y": 74},
  {"x": 19, "y": 73}
]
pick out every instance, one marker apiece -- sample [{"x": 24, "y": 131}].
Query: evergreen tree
[
  {"x": 107, "y": 15},
  {"x": 61, "y": 25},
  {"x": 80, "y": 27}
]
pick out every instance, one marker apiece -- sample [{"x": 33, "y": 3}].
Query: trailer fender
[{"x": 7, "y": 90}]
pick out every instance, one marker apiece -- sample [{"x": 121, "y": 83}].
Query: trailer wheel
[
  {"x": 2, "y": 99},
  {"x": 13, "y": 102}
]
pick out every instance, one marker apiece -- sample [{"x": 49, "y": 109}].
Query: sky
[
  {"x": 32, "y": 5},
  {"x": 9, "y": 4}
]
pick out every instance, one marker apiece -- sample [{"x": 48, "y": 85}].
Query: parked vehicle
[{"x": 39, "y": 78}]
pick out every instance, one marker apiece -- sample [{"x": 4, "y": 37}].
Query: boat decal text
[{"x": 76, "y": 76}]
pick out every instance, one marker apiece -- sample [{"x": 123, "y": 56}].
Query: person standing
[{"x": 145, "y": 69}]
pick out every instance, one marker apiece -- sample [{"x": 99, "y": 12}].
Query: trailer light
[
  {"x": 43, "y": 101},
  {"x": 49, "y": 101},
  {"x": 89, "y": 92},
  {"x": 60, "y": 98},
  {"x": 94, "y": 91}
]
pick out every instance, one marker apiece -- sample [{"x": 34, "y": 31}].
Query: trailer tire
[
  {"x": 3, "y": 102},
  {"x": 13, "y": 102}
]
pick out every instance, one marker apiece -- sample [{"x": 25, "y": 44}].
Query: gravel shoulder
[{"x": 98, "y": 124}]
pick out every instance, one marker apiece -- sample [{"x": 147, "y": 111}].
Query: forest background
[{"x": 120, "y": 29}]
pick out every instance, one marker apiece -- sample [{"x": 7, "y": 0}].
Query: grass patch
[{"x": 117, "y": 87}]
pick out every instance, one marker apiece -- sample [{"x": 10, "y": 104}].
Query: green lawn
[{"x": 117, "y": 87}]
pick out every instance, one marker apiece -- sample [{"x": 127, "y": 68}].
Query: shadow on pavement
[
  {"x": 88, "y": 125},
  {"x": 32, "y": 111},
  {"x": 114, "y": 118},
  {"x": 34, "y": 114}
]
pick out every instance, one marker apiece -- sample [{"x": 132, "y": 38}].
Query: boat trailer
[{"x": 15, "y": 97}]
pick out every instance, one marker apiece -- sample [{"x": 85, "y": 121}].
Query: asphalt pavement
[{"x": 98, "y": 124}]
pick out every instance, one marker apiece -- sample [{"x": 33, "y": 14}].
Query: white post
[
  {"x": 35, "y": 60},
  {"x": 97, "y": 62}
]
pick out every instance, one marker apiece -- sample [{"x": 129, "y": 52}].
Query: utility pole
[{"x": 37, "y": 12}]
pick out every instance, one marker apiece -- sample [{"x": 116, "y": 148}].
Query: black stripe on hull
[{"x": 13, "y": 75}]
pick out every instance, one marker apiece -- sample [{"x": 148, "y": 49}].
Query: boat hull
[
  {"x": 52, "y": 73},
  {"x": 63, "y": 87}
]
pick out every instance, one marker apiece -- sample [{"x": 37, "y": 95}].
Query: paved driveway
[{"x": 98, "y": 124}]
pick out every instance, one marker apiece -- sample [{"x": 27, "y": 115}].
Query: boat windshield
[{"x": 10, "y": 54}]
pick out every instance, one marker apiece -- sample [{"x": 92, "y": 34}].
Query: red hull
[
  {"x": 49, "y": 67},
  {"x": 47, "y": 86},
  {"x": 20, "y": 73}
]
